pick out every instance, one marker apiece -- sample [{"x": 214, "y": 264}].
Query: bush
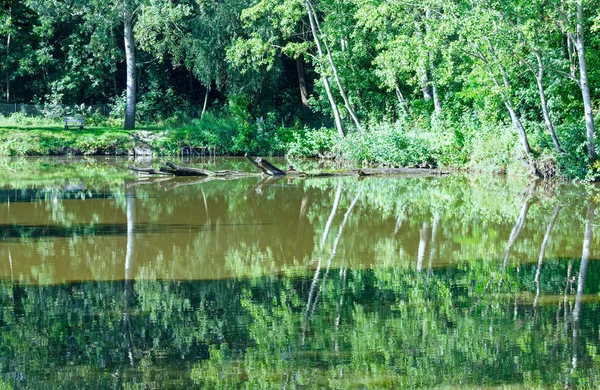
[
  {"x": 389, "y": 144},
  {"x": 312, "y": 142}
]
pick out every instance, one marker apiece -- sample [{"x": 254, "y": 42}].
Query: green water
[{"x": 108, "y": 280}]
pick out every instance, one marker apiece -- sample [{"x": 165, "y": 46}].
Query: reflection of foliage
[{"x": 234, "y": 288}]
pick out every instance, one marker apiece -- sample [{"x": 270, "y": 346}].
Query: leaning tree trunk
[
  {"x": 349, "y": 108},
  {"x": 131, "y": 76},
  {"x": 205, "y": 101},
  {"x": 513, "y": 115},
  {"x": 540, "y": 83},
  {"x": 584, "y": 84},
  {"x": 334, "y": 107}
]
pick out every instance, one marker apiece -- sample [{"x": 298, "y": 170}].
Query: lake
[{"x": 112, "y": 280}]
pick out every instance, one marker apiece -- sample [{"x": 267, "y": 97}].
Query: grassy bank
[{"x": 461, "y": 143}]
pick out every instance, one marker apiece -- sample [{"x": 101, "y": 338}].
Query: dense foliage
[{"x": 460, "y": 83}]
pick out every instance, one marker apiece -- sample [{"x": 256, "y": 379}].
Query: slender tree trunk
[
  {"x": 540, "y": 83},
  {"x": 302, "y": 82},
  {"x": 205, "y": 102},
  {"x": 333, "y": 68},
  {"x": 519, "y": 126},
  {"x": 578, "y": 40},
  {"x": 426, "y": 86},
  {"x": 131, "y": 74},
  {"x": 6, "y": 65},
  {"x": 403, "y": 102},
  {"x": 437, "y": 104},
  {"x": 334, "y": 107},
  {"x": 513, "y": 116}
]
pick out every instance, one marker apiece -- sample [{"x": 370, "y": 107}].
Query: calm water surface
[{"x": 109, "y": 280}]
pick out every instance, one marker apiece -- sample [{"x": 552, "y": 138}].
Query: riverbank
[{"x": 463, "y": 146}]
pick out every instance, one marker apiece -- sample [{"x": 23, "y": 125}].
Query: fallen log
[
  {"x": 187, "y": 171},
  {"x": 149, "y": 171},
  {"x": 265, "y": 167},
  {"x": 399, "y": 171},
  {"x": 268, "y": 169}
]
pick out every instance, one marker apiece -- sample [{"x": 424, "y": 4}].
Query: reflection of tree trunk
[
  {"x": 336, "y": 202},
  {"x": 301, "y": 221},
  {"x": 514, "y": 234},
  {"x": 542, "y": 253},
  {"x": 585, "y": 256},
  {"x": 399, "y": 222},
  {"x": 315, "y": 280},
  {"x": 433, "y": 248},
  {"x": 422, "y": 245},
  {"x": 335, "y": 245},
  {"x": 130, "y": 199},
  {"x": 338, "y": 317}
]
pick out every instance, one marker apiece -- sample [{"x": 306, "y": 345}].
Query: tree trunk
[
  {"x": 513, "y": 116},
  {"x": 519, "y": 126},
  {"x": 540, "y": 78},
  {"x": 334, "y": 69},
  {"x": 302, "y": 82},
  {"x": 6, "y": 64},
  {"x": 205, "y": 102},
  {"x": 403, "y": 102},
  {"x": 131, "y": 75},
  {"x": 583, "y": 83},
  {"x": 436, "y": 100},
  {"x": 334, "y": 107},
  {"x": 426, "y": 87}
]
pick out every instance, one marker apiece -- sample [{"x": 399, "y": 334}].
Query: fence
[{"x": 55, "y": 110}]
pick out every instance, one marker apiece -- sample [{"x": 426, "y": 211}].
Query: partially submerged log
[
  {"x": 149, "y": 171},
  {"x": 268, "y": 169}
]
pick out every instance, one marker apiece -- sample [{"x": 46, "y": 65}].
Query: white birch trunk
[
  {"x": 584, "y": 84},
  {"x": 334, "y": 107},
  {"x": 131, "y": 74},
  {"x": 540, "y": 83}
]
